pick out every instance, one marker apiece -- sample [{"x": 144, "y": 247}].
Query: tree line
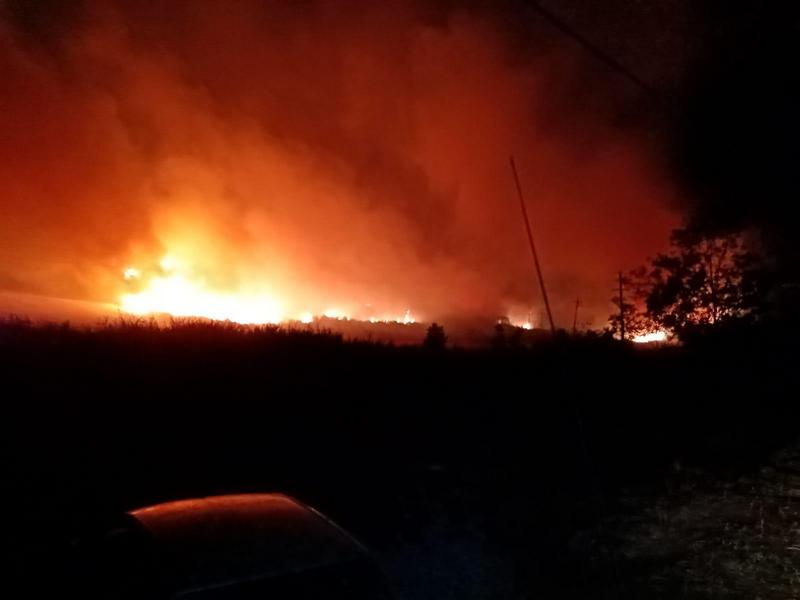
[{"x": 704, "y": 282}]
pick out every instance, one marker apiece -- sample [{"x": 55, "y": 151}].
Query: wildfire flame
[
  {"x": 173, "y": 289},
  {"x": 177, "y": 296},
  {"x": 406, "y": 319},
  {"x": 648, "y": 338},
  {"x": 131, "y": 273},
  {"x": 525, "y": 323}
]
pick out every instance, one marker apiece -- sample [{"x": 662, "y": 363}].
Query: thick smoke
[{"x": 336, "y": 153}]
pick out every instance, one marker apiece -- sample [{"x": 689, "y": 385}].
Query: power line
[{"x": 594, "y": 49}]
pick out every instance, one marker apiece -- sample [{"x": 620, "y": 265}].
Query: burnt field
[{"x": 571, "y": 468}]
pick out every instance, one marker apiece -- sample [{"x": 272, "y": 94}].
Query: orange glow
[{"x": 358, "y": 174}]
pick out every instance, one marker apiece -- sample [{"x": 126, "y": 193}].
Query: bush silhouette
[{"x": 435, "y": 339}]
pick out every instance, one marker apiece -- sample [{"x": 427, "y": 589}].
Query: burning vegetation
[{"x": 174, "y": 289}]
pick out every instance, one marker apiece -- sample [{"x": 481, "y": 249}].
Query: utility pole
[
  {"x": 575, "y": 317},
  {"x": 621, "y": 311},
  {"x": 533, "y": 247}
]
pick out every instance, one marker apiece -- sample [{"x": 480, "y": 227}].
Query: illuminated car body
[{"x": 265, "y": 546}]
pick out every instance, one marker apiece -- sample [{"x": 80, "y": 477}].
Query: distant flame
[
  {"x": 173, "y": 289},
  {"x": 131, "y": 273},
  {"x": 653, "y": 336},
  {"x": 177, "y": 296},
  {"x": 521, "y": 323},
  {"x": 169, "y": 263},
  {"x": 406, "y": 319}
]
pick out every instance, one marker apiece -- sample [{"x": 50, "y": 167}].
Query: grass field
[{"x": 567, "y": 468}]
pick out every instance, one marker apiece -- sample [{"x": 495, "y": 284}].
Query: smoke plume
[{"x": 331, "y": 153}]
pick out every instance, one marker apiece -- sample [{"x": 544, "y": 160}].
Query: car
[{"x": 236, "y": 547}]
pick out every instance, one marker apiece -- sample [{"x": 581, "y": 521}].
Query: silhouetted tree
[
  {"x": 499, "y": 339},
  {"x": 435, "y": 339},
  {"x": 702, "y": 281},
  {"x": 515, "y": 339},
  {"x": 637, "y": 322}
]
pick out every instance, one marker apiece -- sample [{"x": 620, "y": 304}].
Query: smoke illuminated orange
[{"x": 341, "y": 158}]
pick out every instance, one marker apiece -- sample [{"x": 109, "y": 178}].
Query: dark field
[{"x": 573, "y": 468}]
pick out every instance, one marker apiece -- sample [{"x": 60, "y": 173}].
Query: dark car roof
[{"x": 221, "y": 539}]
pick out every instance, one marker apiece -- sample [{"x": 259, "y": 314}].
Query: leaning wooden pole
[
  {"x": 533, "y": 247},
  {"x": 621, "y": 311},
  {"x": 575, "y": 316}
]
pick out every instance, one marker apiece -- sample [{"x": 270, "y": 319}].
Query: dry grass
[{"x": 707, "y": 537}]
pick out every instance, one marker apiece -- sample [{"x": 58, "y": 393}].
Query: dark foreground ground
[{"x": 573, "y": 469}]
